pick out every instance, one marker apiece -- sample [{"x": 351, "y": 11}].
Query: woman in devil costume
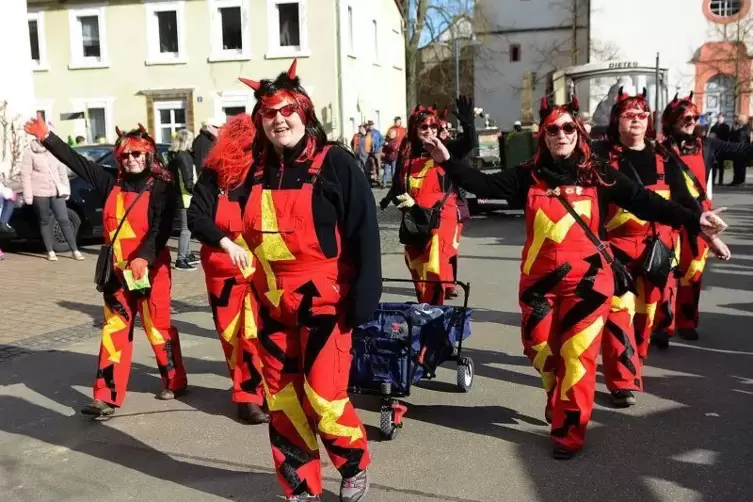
[
  {"x": 695, "y": 155},
  {"x": 566, "y": 284},
  {"x": 311, "y": 223},
  {"x": 215, "y": 219},
  {"x": 139, "y": 203},
  {"x": 631, "y": 150},
  {"x": 422, "y": 183}
]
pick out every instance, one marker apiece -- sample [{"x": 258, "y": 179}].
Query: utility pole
[{"x": 574, "y": 37}]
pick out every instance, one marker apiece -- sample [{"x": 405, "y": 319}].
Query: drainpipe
[{"x": 339, "y": 68}]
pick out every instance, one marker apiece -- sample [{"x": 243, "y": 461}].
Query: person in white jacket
[{"x": 46, "y": 187}]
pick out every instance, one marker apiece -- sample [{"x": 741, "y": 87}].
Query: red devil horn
[
  {"x": 677, "y": 95},
  {"x": 253, "y": 84},
  {"x": 575, "y": 104},
  {"x": 544, "y": 103},
  {"x": 620, "y": 92},
  {"x": 291, "y": 70},
  {"x": 142, "y": 128},
  {"x": 119, "y": 132},
  {"x": 690, "y": 96},
  {"x": 645, "y": 92}
]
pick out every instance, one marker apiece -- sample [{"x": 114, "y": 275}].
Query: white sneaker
[
  {"x": 51, "y": 256},
  {"x": 78, "y": 256}
]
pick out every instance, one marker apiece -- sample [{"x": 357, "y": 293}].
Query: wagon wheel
[{"x": 465, "y": 374}]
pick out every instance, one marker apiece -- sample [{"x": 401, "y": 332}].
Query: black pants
[
  {"x": 739, "y": 170},
  {"x": 46, "y": 207}
]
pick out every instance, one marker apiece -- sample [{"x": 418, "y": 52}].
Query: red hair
[
  {"x": 624, "y": 103},
  {"x": 139, "y": 140},
  {"x": 587, "y": 173},
  {"x": 231, "y": 156},
  {"x": 673, "y": 113}
]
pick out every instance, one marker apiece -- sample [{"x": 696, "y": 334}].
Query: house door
[{"x": 720, "y": 96}]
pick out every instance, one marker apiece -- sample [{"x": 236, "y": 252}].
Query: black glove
[
  {"x": 384, "y": 203},
  {"x": 464, "y": 112}
]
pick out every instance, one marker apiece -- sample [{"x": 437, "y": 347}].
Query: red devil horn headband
[
  {"x": 119, "y": 132},
  {"x": 644, "y": 93},
  {"x": 292, "y": 69},
  {"x": 253, "y": 84},
  {"x": 256, "y": 85}
]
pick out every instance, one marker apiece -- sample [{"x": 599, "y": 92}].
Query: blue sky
[{"x": 435, "y": 20}]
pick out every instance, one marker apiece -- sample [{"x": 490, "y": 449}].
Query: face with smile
[
  {"x": 633, "y": 125},
  {"x": 282, "y": 124},
  {"x": 686, "y": 124},
  {"x": 133, "y": 162},
  {"x": 561, "y": 136},
  {"x": 428, "y": 130}
]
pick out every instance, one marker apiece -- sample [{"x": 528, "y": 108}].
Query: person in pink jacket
[{"x": 46, "y": 186}]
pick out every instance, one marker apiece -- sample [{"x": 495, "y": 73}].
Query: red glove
[
  {"x": 37, "y": 128},
  {"x": 138, "y": 266}
]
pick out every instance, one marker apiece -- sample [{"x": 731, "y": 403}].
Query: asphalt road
[{"x": 688, "y": 439}]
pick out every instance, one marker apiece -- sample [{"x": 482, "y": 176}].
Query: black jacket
[{"x": 200, "y": 148}]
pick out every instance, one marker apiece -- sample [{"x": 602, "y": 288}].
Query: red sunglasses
[
  {"x": 135, "y": 155},
  {"x": 286, "y": 111},
  {"x": 689, "y": 119},
  {"x": 426, "y": 127},
  {"x": 635, "y": 115},
  {"x": 554, "y": 129}
]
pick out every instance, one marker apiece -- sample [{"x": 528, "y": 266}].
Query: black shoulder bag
[
  {"x": 418, "y": 222},
  {"x": 104, "y": 267},
  {"x": 623, "y": 281},
  {"x": 657, "y": 262}
]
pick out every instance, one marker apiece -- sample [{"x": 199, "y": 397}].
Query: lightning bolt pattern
[
  {"x": 286, "y": 401},
  {"x": 152, "y": 333},
  {"x": 543, "y": 352},
  {"x": 417, "y": 180},
  {"x": 622, "y": 216},
  {"x": 126, "y": 232},
  {"x": 272, "y": 247},
  {"x": 696, "y": 267},
  {"x": 329, "y": 413},
  {"x": 544, "y": 228},
  {"x": 113, "y": 323},
  {"x": 571, "y": 351},
  {"x": 248, "y": 269}
]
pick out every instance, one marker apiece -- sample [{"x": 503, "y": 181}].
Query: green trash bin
[{"x": 519, "y": 147}]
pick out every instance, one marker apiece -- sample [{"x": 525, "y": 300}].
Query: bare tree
[
  {"x": 728, "y": 56},
  {"x": 11, "y": 142}
]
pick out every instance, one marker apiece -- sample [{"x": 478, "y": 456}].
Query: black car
[{"x": 84, "y": 207}]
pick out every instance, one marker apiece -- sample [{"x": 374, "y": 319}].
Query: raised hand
[
  {"x": 37, "y": 128},
  {"x": 437, "y": 150},
  {"x": 464, "y": 111}
]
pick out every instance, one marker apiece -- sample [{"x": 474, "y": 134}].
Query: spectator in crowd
[
  {"x": 376, "y": 141},
  {"x": 80, "y": 140},
  {"x": 398, "y": 129},
  {"x": 740, "y": 134},
  {"x": 363, "y": 147},
  {"x": 205, "y": 139},
  {"x": 723, "y": 132},
  {"x": 7, "y": 205},
  {"x": 46, "y": 186},
  {"x": 180, "y": 164},
  {"x": 389, "y": 155}
]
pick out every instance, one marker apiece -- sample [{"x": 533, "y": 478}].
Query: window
[
  {"x": 229, "y": 104},
  {"x": 165, "y": 32},
  {"x": 725, "y": 8},
  {"x": 229, "y": 30},
  {"x": 88, "y": 38},
  {"x": 375, "y": 39},
  {"x": 96, "y": 117},
  {"x": 287, "y": 33},
  {"x": 514, "y": 53},
  {"x": 377, "y": 120},
  {"x": 97, "y": 124},
  {"x": 44, "y": 108},
  {"x": 351, "y": 43},
  {"x": 353, "y": 126},
  {"x": 169, "y": 117},
  {"x": 398, "y": 43}
]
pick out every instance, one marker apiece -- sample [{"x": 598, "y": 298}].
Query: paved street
[{"x": 689, "y": 438}]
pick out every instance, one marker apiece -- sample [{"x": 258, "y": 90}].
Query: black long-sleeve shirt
[
  {"x": 513, "y": 185},
  {"x": 182, "y": 168},
  {"x": 203, "y": 209},
  {"x": 342, "y": 202},
  {"x": 713, "y": 150},
  {"x": 161, "y": 202}
]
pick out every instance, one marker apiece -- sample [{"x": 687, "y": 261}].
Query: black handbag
[
  {"x": 103, "y": 270},
  {"x": 418, "y": 222},
  {"x": 623, "y": 281},
  {"x": 657, "y": 262}
]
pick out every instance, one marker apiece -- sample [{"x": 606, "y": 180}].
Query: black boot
[
  {"x": 98, "y": 408},
  {"x": 560, "y": 453},
  {"x": 169, "y": 394},
  {"x": 623, "y": 398},
  {"x": 689, "y": 334},
  {"x": 252, "y": 413},
  {"x": 660, "y": 340}
]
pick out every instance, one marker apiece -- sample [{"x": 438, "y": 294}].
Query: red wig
[
  {"x": 287, "y": 86},
  {"x": 139, "y": 140},
  {"x": 231, "y": 156},
  {"x": 587, "y": 170},
  {"x": 623, "y": 103},
  {"x": 420, "y": 115},
  {"x": 674, "y": 112}
]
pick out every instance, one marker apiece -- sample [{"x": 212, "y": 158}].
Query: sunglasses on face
[
  {"x": 689, "y": 119},
  {"x": 635, "y": 115},
  {"x": 286, "y": 111},
  {"x": 554, "y": 129},
  {"x": 135, "y": 155},
  {"x": 426, "y": 127}
]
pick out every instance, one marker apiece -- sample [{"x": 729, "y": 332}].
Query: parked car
[{"x": 84, "y": 207}]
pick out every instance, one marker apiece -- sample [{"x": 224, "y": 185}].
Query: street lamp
[{"x": 472, "y": 42}]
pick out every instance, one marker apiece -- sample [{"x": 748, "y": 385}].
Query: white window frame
[
  {"x": 77, "y": 44},
  {"x": 225, "y": 99},
  {"x": 399, "y": 51},
  {"x": 82, "y": 104},
  {"x": 274, "y": 50},
  {"x": 151, "y": 8},
  {"x": 216, "y": 52},
  {"x": 350, "y": 29},
  {"x": 42, "y": 64},
  {"x": 174, "y": 104},
  {"x": 374, "y": 33}
]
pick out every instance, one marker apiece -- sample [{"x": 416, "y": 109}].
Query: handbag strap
[
  {"x": 600, "y": 246},
  {"x": 146, "y": 186}
]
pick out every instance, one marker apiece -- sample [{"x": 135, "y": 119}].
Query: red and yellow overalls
[
  {"x": 565, "y": 287},
  {"x": 121, "y": 306},
  {"x": 234, "y": 305},
  {"x": 631, "y": 319},
  {"x": 424, "y": 183},
  {"x": 694, "y": 250},
  {"x": 304, "y": 339}
]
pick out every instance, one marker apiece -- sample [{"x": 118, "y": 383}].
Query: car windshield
[
  {"x": 93, "y": 152},
  {"x": 602, "y": 91}
]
